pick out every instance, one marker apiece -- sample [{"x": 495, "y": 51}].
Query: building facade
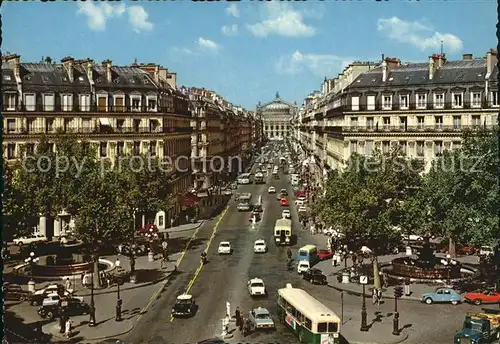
[
  {"x": 421, "y": 108},
  {"x": 276, "y": 118}
]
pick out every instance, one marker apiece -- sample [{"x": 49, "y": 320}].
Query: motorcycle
[
  {"x": 204, "y": 259},
  {"x": 289, "y": 265}
]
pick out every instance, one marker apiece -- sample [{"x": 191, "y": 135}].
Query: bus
[
  {"x": 307, "y": 318},
  {"x": 244, "y": 178},
  {"x": 244, "y": 202},
  {"x": 309, "y": 253},
  {"x": 283, "y": 232}
]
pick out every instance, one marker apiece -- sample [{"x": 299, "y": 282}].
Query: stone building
[
  {"x": 276, "y": 118},
  {"x": 119, "y": 109},
  {"x": 422, "y": 108}
]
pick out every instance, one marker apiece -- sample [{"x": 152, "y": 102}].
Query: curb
[
  {"x": 402, "y": 338},
  {"x": 201, "y": 223},
  {"x": 359, "y": 293}
]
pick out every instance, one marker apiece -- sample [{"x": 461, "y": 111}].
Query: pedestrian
[
  {"x": 374, "y": 295},
  {"x": 172, "y": 222},
  {"x": 237, "y": 316},
  {"x": 187, "y": 218},
  {"x": 117, "y": 263},
  {"x": 334, "y": 261},
  {"x": 68, "y": 284},
  {"x": 379, "y": 297},
  {"x": 120, "y": 248},
  {"x": 241, "y": 323},
  {"x": 163, "y": 263},
  {"x": 67, "y": 330}
]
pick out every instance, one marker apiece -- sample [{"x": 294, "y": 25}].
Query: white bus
[
  {"x": 244, "y": 178},
  {"x": 244, "y": 202},
  {"x": 283, "y": 232},
  {"x": 307, "y": 318}
]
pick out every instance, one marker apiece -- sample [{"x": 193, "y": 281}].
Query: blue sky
[{"x": 249, "y": 50}]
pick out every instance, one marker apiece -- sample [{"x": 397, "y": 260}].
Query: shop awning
[
  {"x": 105, "y": 121},
  {"x": 188, "y": 199}
]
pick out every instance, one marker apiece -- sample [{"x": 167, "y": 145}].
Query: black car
[
  {"x": 184, "y": 306},
  {"x": 315, "y": 276},
  {"x": 14, "y": 292},
  {"x": 75, "y": 306}
]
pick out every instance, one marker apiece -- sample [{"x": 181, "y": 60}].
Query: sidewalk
[{"x": 183, "y": 228}]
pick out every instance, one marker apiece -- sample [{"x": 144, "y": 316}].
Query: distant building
[{"x": 276, "y": 118}]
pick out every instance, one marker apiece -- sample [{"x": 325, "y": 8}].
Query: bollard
[
  {"x": 31, "y": 286},
  {"x": 151, "y": 256}
]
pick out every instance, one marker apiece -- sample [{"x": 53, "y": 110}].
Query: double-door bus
[
  {"x": 307, "y": 318},
  {"x": 244, "y": 178},
  {"x": 308, "y": 253},
  {"x": 244, "y": 202},
  {"x": 283, "y": 232}
]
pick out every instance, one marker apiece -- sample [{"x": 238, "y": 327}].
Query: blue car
[{"x": 441, "y": 295}]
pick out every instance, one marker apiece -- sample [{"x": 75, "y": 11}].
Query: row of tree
[
  {"x": 102, "y": 198},
  {"x": 389, "y": 195}
]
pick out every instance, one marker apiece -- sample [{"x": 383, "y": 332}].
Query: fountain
[{"x": 427, "y": 268}]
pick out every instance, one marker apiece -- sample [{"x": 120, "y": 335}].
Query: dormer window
[
  {"x": 476, "y": 99},
  {"x": 387, "y": 102},
  {"x": 45, "y": 78},
  {"x": 80, "y": 78},
  {"x": 439, "y": 101},
  {"x": 403, "y": 101},
  {"x": 135, "y": 102},
  {"x": 131, "y": 80},
  {"x": 64, "y": 78},
  {"x": 494, "y": 98},
  {"x": 27, "y": 77},
  {"x": 6, "y": 77},
  {"x": 458, "y": 100},
  {"x": 421, "y": 101},
  {"x": 146, "y": 80}
]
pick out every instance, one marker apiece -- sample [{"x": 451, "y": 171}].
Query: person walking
[
  {"x": 163, "y": 262},
  {"x": 68, "y": 284},
  {"x": 241, "y": 322},
  {"x": 67, "y": 329},
  {"x": 374, "y": 295},
  {"x": 117, "y": 263},
  {"x": 379, "y": 297}
]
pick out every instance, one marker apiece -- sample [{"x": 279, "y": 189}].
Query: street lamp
[
  {"x": 364, "y": 327},
  {"x": 92, "y": 321},
  {"x": 32, "y": 261},
  {"x": 449, "y": 262},
  {"x": 118, "y": 301}
]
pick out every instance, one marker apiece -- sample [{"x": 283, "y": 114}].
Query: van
[
  {"x": 308, "y": 253},
  {"x": 303, "y": 266}
]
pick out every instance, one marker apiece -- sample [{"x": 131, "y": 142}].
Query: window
[
  {"x": 307, "y": 323},
  {"x": 137, "y": 125},
  {"x": 387, "y": 103},
  {"x": 52, "y": 147},
  {"x": 103, "y": 149},
  {"x": 439, "y": 122},
  {"x": 333, "y": 327},
  {"x": 439, "y": 101},
  {"x": 403, "y": 101},
  {"x": 86, "y": 125},
  {"x": 457, "y": 122},
  {"x": 30, "y": 148},
  {"x": 438, "y": 148},
  {"x": 370, "y": 103},
  {"x": 48, "y": 102},
  {"x": 11, "y": 125},
  {"x": 402, "y": 123},
  {"x": 368, "y": 147},
  {"x": 370, "y": 123},
  {"x": 457, "y": 100},
  {"x": 420, "y": 148},
  {"x": 29, "y": 102},
  {"x": 10, "y": 101},
  {"x": 322, "y": 327},
  {"x": 152, "y": 104},
  {"x": 403, "y": 146},
  {"x": 387, "y": 123},
  {"x": 67, "y": 102},
  {"x": 102, "y": 103},
  {"x": 7, "y": 77},
  {"x": 354, "y": 147},
  {"x": 120, "y": 148},
  {"x": 84, "y": 102},
  {"x": 49, "y": 125},
  {"x": 421, "y": 101},
  {"x": 137, "y": 148},
  {"x": 136, "y": 103},
  {"x": 420, "y": 122},
  {"x": 386, "y": 147},
  {"x": 355, "y": 103},
  {"x": 120, "y": 123},
  {"x": 476, "y": 99},
  {"x": 11, "y": 151},
  {"x": 67, "y": 124},
  {"x": 476, "y": 120},
  {"x": 31, "y": 124},
  {"x": 494, "y": 98},
  {"x": 457, "y": 145},
  {"x": 354, "y": 122},
  {"x": 152, "y": 148}
]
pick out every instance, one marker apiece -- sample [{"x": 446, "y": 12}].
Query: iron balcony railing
[
  {"x": 103, "y": 129},
  {"x": 412, "y": 128},
  {"x": 427, "y": 105},
  {"x": 75, "y": 108}
]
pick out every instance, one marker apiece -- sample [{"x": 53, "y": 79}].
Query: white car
[
  {"x": 301, "y": 198},
  {"x": 486, "y": 251},
  {"x": 256, "y": 287},
  {"x": 260, "y": 246},
  {"x": 303, "y": 266},
  {"x": 271, "y": 190},
  {"x": 224, "y": 247},
  {"x": 302, "y": 209},
  {"x": 286, "y": 214},
  {"x": 412, "y": 237},
  {"x": 37, "y": 237}
]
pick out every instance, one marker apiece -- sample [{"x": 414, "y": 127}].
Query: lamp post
[
  {"x": 92, "y": 321},
  {"x": 364, "y": 327},
  {"x": 32, "y": 260},
  {"x": 342, "y": 307},
  {"x": 118, "y": 301},
  {"x": 449, "y": 262}
]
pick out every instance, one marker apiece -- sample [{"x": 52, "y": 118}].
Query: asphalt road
[{"x": 224, "y": 278}]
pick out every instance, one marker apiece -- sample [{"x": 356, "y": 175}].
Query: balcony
[
  {"x": 411, "y": 128},
  {"x": 102, "y": 130},
  {"x": 379, "y": 106},
  {"x": 59, "y": 108}
]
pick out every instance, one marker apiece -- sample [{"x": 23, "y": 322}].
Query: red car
[
  {"x": 482, "y": 297},
  {"x": 325, "y": 254},
  {"x": 300, "y": 193},
  {"x": 284, "y": 202},
  {"x": 149, "y": 228},
  {"x": 466, "y": 250},
  {"x": 255, "y": 215}
]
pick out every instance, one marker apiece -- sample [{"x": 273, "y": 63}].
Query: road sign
[{"x": 363, "y": 279}]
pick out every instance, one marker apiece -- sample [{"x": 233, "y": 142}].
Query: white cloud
[
  {"x": 319, "y": 64},
  {"x": 138, "y": 17},
  {"x": 208, "y": 44},
  {"x": 230, "y": 30},
  {"x": 98, "y": 15},
  {"x": 183, "y": 51},
  {"x": 421, "y": 35},
  {"x": 282, "y": 20},
  {"x": 233, "y": 11}
]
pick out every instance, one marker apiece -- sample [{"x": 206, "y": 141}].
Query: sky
[{"x": 247, "y": 51}]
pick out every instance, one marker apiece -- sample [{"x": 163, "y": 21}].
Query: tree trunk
[
  {"x": 451, "y": 248},
  {"x": 376, "y": 276},
  {"x": 97, "y": 280}
]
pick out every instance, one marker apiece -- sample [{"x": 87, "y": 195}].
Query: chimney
[
  {"x": 157, "y": 74},
  {"x": 15, "y": 62},
  {"x": 432, "y": 67},
  {"x": 67, "y": 63},
  {"x": 107, "y": 64},
  {"x": 388, "y": 64},
  {"x": 467, "y": 57},
  {"x": 491, "y": 61},
  {"x": 88, "y": 64}
]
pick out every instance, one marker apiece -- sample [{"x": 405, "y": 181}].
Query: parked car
[
  {"x": 39, "y": 295},
  {"x": 486, "y": 251},
  {"x": 482, "y": 297},
  {"x": 260, "y": 246},
  {"x": 284, "y": 202},
  {"x": 325, "y": 254},
  {"x": 224, "y": 247},
  {"x": 260, "y": 318},
  {"x": 75, "y": 305},
  {"x": 466, "y": 250},
  {"x": 442, "y": 295},
  {"x": 185, "y": 306},
  {"x": 314, "y": 276},
  {"x": 256, "y": 287},
  {"x": 37, "y": 237},
  {"x": 14, "y": 292},
  {"x": 149, "y": 228}
]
